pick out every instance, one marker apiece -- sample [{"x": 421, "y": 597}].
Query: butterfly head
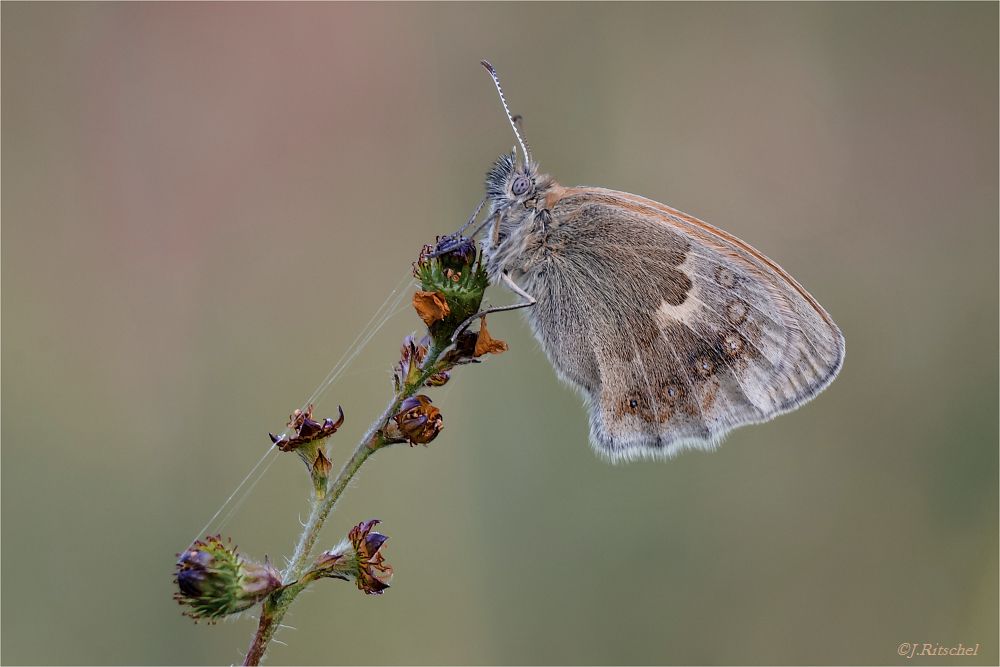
[
  {"x": 520, "y": 201},
  {"x": 510, "y": 182}
]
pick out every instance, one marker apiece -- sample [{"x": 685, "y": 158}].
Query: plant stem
[
  {"x": 265, "y": 629},
  {"x": 277, "y": 604}
]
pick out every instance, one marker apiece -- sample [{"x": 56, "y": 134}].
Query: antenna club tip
[{"x": 487, "y": 65}]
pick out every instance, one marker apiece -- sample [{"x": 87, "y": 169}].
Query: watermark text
[{"x": 916, "y": 650}]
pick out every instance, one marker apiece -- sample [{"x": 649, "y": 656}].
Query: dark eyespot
[{"x": 521, "y": 185}]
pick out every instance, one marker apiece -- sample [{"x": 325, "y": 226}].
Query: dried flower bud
[
  {"x": 306, "y": 430},
  {"x": 321, "y": 468},
  {"x": 215, "y": 581},
  {"x": 307, "y": 443},
  {"x": 411, "y": 356},
  {"x": 418, "y": 422},
  {"x": 357, "y": 558}
]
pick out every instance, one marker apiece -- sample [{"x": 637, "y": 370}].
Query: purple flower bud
[
  {"x": 215, "y": 581},
  {"x": 461, "y": 257}
]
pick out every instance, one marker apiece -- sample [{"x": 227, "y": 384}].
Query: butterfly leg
[
  {"x": 453, "y": 240},
  {"x": 531, "y": 301}
]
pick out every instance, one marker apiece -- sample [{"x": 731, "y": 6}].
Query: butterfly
[{"x": 674, "y": 331}]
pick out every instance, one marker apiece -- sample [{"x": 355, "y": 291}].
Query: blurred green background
[{"x": 203, "y": 204}]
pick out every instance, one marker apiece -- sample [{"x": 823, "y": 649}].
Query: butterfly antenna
[{"x": 520, "y": 139}]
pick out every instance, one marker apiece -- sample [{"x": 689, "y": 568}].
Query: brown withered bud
[
  {"x": 359, "y": 558},
  {"x": 308, "y": 443},
  {"x": 411, "y": 358},
  {"x": 418, "y": 421},
  {"x": 367, "y": 546},
  {"x": 415, "y": 350},
  {"x": 321, "y": 467},
  {"x": 306, "y": 429},
  {"x": 464, "y": 255},
  {"x": 431, "y": 306}
]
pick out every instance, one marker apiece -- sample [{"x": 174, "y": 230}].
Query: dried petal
[
  {"x": 487, "y": 345},
  {"x": 431, "y": 306}
]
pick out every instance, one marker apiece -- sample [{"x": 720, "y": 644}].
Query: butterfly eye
[{"x": 521, "y": 185}]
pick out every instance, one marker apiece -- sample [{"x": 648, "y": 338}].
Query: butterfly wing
[{"x": 675, "y": 331}]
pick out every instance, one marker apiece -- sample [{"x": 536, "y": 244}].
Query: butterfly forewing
[{"x": 675, "y": 331}]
